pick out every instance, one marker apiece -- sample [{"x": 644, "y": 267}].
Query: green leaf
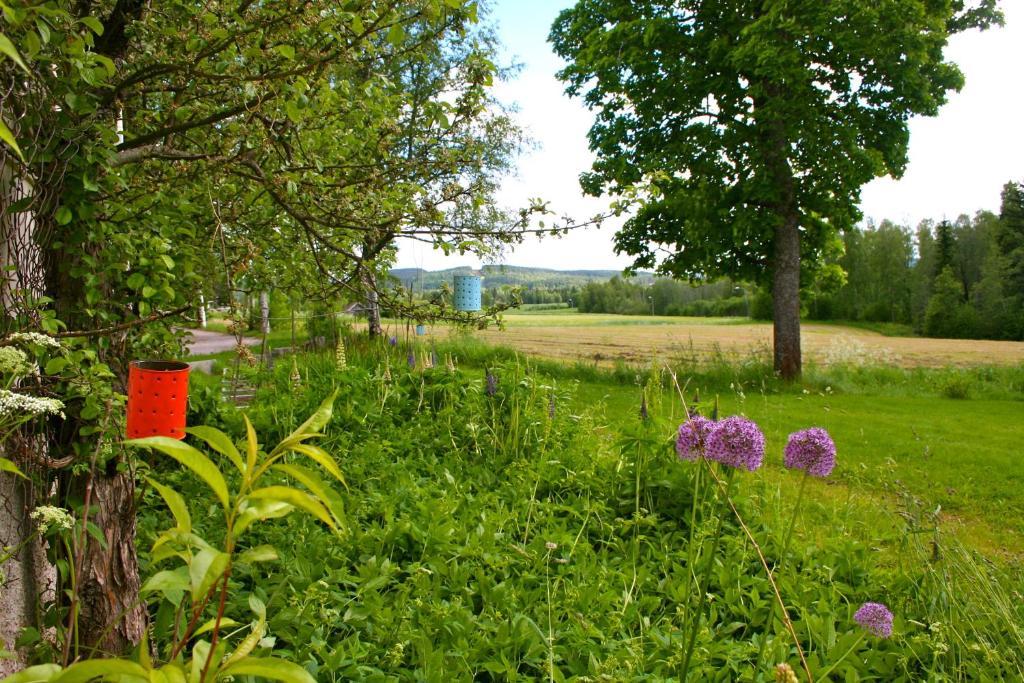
[
  {"x": 63, "y": 215},
  {"x": 148, "y": 292},
  {"x": 167, "y": 580},
  {"x": 8, "y": 466},
  {"x": 317, "y": 486},
  {"x": 268, "y": 667},
  {"x": 176, "y": 503},
  {"x": 297, "y": 498},
  {"x": 55, "y": 365},
  {"x": 286, "y": 51},
  {"x": 34, "y": 674},
  {"x": 94, "y": 24},
  {"x": 252, "y": 446},
  {"x": 7, "y": 136},
  {"x": 103, "y": 669},
  {"x": 261, "y": 553},
  {"x": 205, "y": 569},
  {"x": 322, "y": 457},
  {"x": 219, "y": 441},
  {"x": 173, "y": 673},
  {"x": 190, "y": 458},
  {"x": 7, "y": 47},
  {"x": 258, "y": 510},
  {"x": 311, "y": 426},
  {"x": 208, "y": 626}
]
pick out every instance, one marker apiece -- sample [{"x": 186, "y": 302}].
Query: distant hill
[{"x": 516, "y": 276}]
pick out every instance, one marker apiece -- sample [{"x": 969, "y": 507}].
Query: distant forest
[{"x": 954, "y": 279}]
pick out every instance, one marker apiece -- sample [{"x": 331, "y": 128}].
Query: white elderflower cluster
[
  {"x": 12, "y": 404},
  {"x": 49, "y": 517},
  {"x": 14, "y": 362},
  {"x": 35, "y": 338}
]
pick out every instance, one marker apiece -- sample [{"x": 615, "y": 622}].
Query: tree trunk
[
  {"x": 202, "y": 312},
  {"x": 112, "y": 619},
  {"x": 265, "y": 312},
  {"x": 786, "y": 299},
  {"x": 26, "y": 578},
  {"x": 372, "y": 307},
  {"x": 785, "y": 258}
]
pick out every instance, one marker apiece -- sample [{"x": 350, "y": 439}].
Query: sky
[{"x": 959, "y": 160}]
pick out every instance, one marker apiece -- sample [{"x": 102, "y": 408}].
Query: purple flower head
[
  {"x": 643, "y": 408},
  {"x": 875, "y": 618},
  {"x": 811, "y": 450},
  {"x": 411, "y": 360},
  {"x": 737, "y": 442},
  {"x": 693, "y": 437},
  {"x": 551, "y": 407},
  {"x": 433, "y": 359},
  {"x": 492, "y": 384},
  {"x": 393, "y": 340}
]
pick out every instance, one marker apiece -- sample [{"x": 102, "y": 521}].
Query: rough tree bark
[
  {"x": 112, "y": 619},
  {"x": 785, "y": 259}
]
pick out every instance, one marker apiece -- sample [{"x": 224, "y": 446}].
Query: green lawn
[{"x": 965, "y": 456}]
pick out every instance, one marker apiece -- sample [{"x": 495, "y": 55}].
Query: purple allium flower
[
  {"x": 393, "y": 340},
  {"x": 492, "y": 384},
  {"x": 876, "y": 618},
  {"x": 811, "y": 450},
  {"x": 643, "y": 408},
  {"x": 693, "y": 437},
  {"x": 737, "y": 442},
  {"x": 411, "y": 360}
]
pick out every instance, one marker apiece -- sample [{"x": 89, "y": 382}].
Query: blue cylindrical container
[
  {"x": 421, "y": 330},
  {"x": 467, "y": 292}
]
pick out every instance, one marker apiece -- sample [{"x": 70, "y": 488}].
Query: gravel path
[{"x": 206, "y": 342}]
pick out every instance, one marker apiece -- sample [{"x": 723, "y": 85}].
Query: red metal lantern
[{"x": 157, "y": 398}]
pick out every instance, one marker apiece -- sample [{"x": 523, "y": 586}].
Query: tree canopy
[{"x": 741, "y": 131}]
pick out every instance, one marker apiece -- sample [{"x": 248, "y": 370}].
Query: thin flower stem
[
  {"x": 824, "y": 674},
  {"x": 702, "y": 587},
  {"x": 771, "y": 578},
  {"x": 782, "y": 558}
]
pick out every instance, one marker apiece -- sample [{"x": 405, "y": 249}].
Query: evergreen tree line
[{"x": 959, "y": 279}]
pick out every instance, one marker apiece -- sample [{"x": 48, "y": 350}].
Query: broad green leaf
[
  {"x": 8, "y": 466},
  {"x": 268, "y": 667},
  {"x": 317, "y": 486},
  {"x": 103, "y": 669},
  {"x": 208, "y": 626},
  {"x": 167, "y": 580},
  {"x": 190, "y": 458},
  {"x": 286, "y": 51},
  {"x": 7, "y": 47},
  {"x": 259, "y": 630},
  {"x": 311, "y": 426},
  {"x": 7, "y": 136},
  {"x": 322, "y": 457},
  {"x": 173, "y": 673},
  {"x": 258, "y": 510},
  {"x": 34, "y": 674},
  {"x": 94, "y": 24},
  {"x": 252, "y": 446},
  {"x": 55, "y": 365},
  {"x": 261, "y": 553},
  {"x": 206, "y": 568},
  {"x": 293, "y": 496},
  {"x": 219, "y": 441},
  {"x": 176, "y": 503}
]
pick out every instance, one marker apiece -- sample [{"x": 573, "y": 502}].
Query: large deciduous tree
[
  {"x": 172, "y": 146},
  {"x": 743, "y": 130}
]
